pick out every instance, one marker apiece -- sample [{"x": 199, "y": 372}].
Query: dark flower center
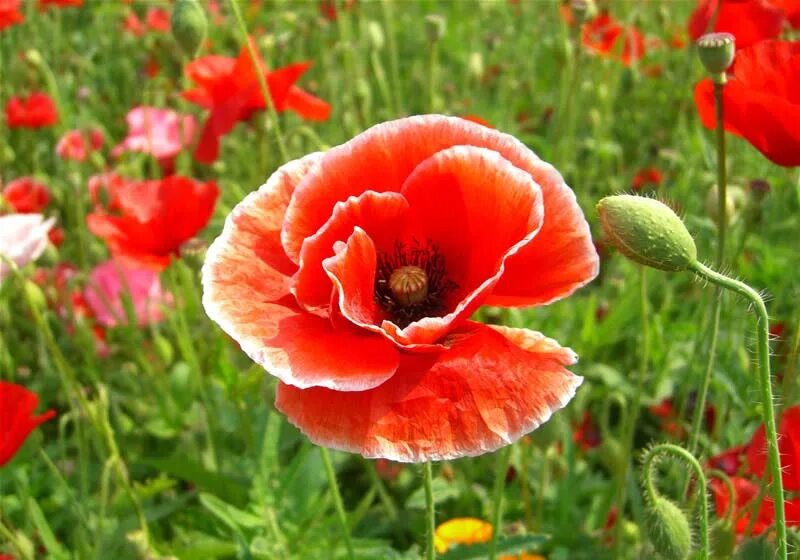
[{"x": 410, "y": 283}]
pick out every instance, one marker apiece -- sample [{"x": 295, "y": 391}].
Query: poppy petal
[
  {"x": 489, "y": 388},
  {"x": 306, "y": 105},
  {"x": 378, "y": 214}
]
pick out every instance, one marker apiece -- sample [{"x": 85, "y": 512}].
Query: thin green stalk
[
  {"x": 792, "y": 365},
  {"x": 649, "y": 461},
  {"x": 433, "y": 75},
  {"x": 524, "y": 456},
  {"x": 762, "y": 334},
  {"x": 337, "y": 500},
  {"x": 394, "y": 64},
  {"x": 722, "y": 223},
  {"x": 383, "y": 493},
  {"x": 430, "y": 511},
  {"x": 633, "y": 414},
  {"x": 503, "y": 458},
  {"x": 262, "y": 82}
]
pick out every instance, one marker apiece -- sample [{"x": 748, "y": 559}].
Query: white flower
[{"x": 23, "y": 238}]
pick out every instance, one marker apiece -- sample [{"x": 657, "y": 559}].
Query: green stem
[
  {"x": 762, "y": 334},
  {"x": 262, "y": 81},
  {"x": 433, "y": 75},
  {"x": 337, "y": 500},
  {"x": 394, "y": 65},
  {"x": 668, "y": 448},
  {"x": 430, "y": 511},
  {"x": 633, "y": 414},
  {"x": 722, "y": 224},
  {"x": 503, "y": 458}
]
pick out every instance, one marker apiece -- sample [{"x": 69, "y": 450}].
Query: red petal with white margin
[{"x": 490, "y": 387}]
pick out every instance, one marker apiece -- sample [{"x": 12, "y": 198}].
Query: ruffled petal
[
  {"x": 491, "y": 387},
  {"x": 380, "y": 215},
  {"x": 382, "y": 158}
]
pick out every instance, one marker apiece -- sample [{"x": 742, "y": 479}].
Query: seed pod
[
  {"x": 669, "y": 530},
  {"x": 647, "y": 232},
  {"x": 435, "y": 27},
  {"x": 716, "y": 52},
  {"x": 189, "y": 26}
]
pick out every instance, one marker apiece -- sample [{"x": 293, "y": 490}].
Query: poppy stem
[
  {"x": 768, "y": 412},
  {"x": 722, "y": 223},
  {"x": 337, "y": 500},
  {"x": 649, "y": 461},
  {"x": 503, "y": 459},
  {"x": 262, "y": 82},
  {"x": 430, "y": 511}
]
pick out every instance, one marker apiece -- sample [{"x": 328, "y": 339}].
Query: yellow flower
[{"x": 462, "y": 530}]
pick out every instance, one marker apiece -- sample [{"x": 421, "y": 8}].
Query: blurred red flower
[
  {"x": 602, "y": 35},
  {"x": 761, "y": 100},
  {"x": 10, "y": 14},
  {"x": 26, "y": 195},
  {"x": 156, "y": 20},
  {"x": 17, "y": 421},
  {"x": 587, "y": 435},
  {"x": 344, "y": 277},
  {"x": 35, "y": 111},
  {"x": 750, "y": 21},
  {"x": 327, "y": 8},
  {"x": 791, "y": 9},
  {"x": 744, "y": 492},
  {"x": 154, "y": 218},
  {"x": 788, "y": 444},
  {"x": 104, "y": 190},
  {"x": 56, "y": 236},
  {"x": 730, "y": 461},
  {"x": 78, "y": 144},
  {"x": 229, "y": 88},
  {"x": 649, "y": 176}
]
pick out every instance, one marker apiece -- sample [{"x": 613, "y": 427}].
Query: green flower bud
[
  {"x": 612, "y": 455},
  {"x": 669, "y": 529},
  {"x": 376, "y": 36},
  {"x": 735, "y": 202},
  {"x": 716, "y": 51},
  {"x": 723, "y": 539},
  {"x": 647, "y": 232},
  {"x": 35, "y": 296},
  {"x": 189, "y": 26},
  {"x": 755, "y": 549},
  {"x": 163, "y": 349},
  {"x": 435, "y": 27}
]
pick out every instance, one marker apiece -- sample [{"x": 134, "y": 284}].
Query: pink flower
[
  {"x": 163, "y": 133},
  {"x": 23, "y": 238},
  {"x": 74, "y": 145},
  {"x": 111, "y": 281}
]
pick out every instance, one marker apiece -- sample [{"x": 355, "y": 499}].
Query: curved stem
[
  {"x": 726, "y": 480},
  {"x": 668, "y": 448},
  {"x": 262, "y": 81},
  {"x": 762, "y": 334},
  {"x": 337, "y": 500},
  {"x": 430, "y": 512},
  {"x": 503, "y": 458}
]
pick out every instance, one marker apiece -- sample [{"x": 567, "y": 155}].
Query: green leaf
[
  {"x": 234, "y": 517},
  {"x": 54, "y": 550},
  {"x": 442, "y": 491},
  {"x": 183, "y": 468}
]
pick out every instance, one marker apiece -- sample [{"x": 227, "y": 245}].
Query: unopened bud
[
  {"x": 669, "y": 529},
  {"x": 35, "y": 296},
  {"x": 716, "y": 51},
  {"x": 723, "y": 539},
  {"x": 735, "y": 200},
  {"x": 189, "y": 26},
  {"x": 435, "y": 27},
  {"x": 647, "y": 231},
  {"x": 376, "y": 36}
]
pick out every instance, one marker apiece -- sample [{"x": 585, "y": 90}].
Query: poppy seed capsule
[
  {"x": 189, "y": 26},
  {"x": 409, "y": 285},
  {"x": 435, "y": 27},
  {"x": 647, "y": 231},
  {"x": 669, "y": 529},
  {"x": 716, "y": 51}
]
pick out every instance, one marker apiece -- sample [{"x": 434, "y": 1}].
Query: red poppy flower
[
  {"x": 78, "y": 144},
  {"x": 104, "y": 190},
  {"x": 56, "y": 236},
  {"x": 327, "y": 8},
  {"x": 16, "y": 418},
  {"x": 10, "y": 14},
  {"x": 158, "y": 20},
  {"x": 749, "y": 21},
  {"x": 788, "y": 444},
  {"x": 791, "y": 9},
  {"x": 154, "y": 219},
  {"x": 602, "y": 35},
  {"x": 731, "y": 461},
  {"x": 344, "y": 277},
  {"x": 478, "y": 120},
  {"x": 649, "y": 176},
  {"x": 26, "y": 195},
  {"x": 587, "y": 434},
  {"x": 744, "y": 492},
  {"x": 761, "y": 100},
  {"x": 229, "y": 88},
  {"x": 35, "y": 111}
]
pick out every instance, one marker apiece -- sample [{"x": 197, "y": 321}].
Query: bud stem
[
  {"x": 670, "y": 449},
  {"x": 430, "y": 511},
  {"x": 762, "y": 335},
  {"x": 333, "y": 486},
  {"x": 503, "y": 457}
]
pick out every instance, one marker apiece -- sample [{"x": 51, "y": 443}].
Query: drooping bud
[
  {"x": 409, "y": 285},
  {"x": 647, "y": 232},
  {"x": 716, "y": 51},
  {"x": 755, "y": 549},
  {"x": 582, "y": 10},
  {"x": 723, "y": 539},
  {"x": 735, "y": 201},
  {"x": 189, "y": 26},
  {"x": 435, "y": 27},
  {"x": 669, "y": 529}
]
